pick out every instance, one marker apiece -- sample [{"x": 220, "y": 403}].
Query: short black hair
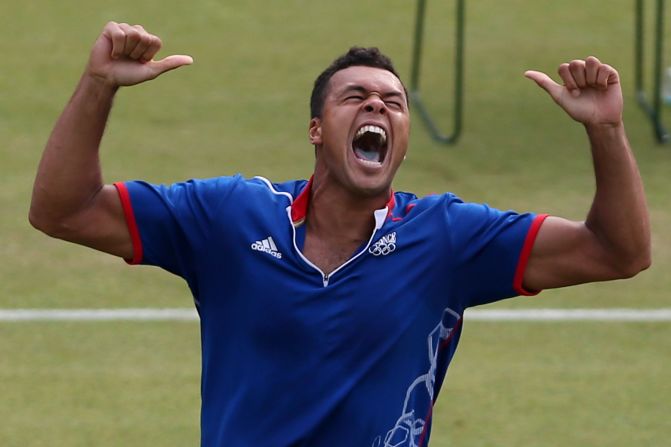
[{"x": 356, "y": 56}]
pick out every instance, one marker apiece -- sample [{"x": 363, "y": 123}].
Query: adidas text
[{"x": 267, "y": 246}]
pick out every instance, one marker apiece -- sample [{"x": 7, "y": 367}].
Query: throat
[
  {"x": 337, "y": 223},
  {"x": 328, "y": 255},
  {"x": 331, "y": 242}
]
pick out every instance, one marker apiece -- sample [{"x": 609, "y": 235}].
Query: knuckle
[
  {"x": 116, "y": 34},
  {"x": 133, "y": 34}
]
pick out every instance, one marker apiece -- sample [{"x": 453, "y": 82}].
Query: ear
[{"x": 315, "y": 131}]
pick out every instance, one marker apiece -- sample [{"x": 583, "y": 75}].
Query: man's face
[{"x": 362, "y": 135}]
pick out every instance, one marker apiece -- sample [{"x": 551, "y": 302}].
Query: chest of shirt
[{"x": 257, "y": 285}]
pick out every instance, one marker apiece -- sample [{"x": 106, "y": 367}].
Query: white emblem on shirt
[
  {"x": 384, "y": 246},
  {"x": 410, "y": 427},
  {"x": 267, "y": 245}
]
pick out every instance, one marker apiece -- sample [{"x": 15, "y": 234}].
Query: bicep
[
  {"x": 101, "y": 225},
  {"x": 567, "y": 253}
]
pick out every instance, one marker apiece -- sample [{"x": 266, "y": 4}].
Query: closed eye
[{"x": 394, "y": 104}]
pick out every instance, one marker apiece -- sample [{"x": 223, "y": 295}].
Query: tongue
[{"x": 368, "y": 155}]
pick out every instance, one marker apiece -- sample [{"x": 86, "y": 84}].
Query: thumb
[
  {"x": 169, "y": 63},
  {"x": 546, "y": 83}
]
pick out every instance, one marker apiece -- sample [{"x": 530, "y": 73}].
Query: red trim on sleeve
[
  {"x": 525, "y": 254},
  {"x": 130, "y": 221}
]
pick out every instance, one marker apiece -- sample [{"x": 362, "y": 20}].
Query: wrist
[
  {"x": 98, "y": 84},
  {"x": 606, "y": 136},
  {"x": 94, "y": 94},
  {"x": 605, "y": 129}
]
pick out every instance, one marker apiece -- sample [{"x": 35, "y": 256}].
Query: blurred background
[{"x": 243, "y": 107}]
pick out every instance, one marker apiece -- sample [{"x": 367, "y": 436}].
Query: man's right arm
[{"x": 70, "y": 200}]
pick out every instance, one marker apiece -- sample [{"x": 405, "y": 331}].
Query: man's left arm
[{"x": 614, "y": 240}]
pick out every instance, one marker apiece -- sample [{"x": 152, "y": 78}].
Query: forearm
[
  {"x": 619, "y": 214},
  {"x": 69, "y": 174}
]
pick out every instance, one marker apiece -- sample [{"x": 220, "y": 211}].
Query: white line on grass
[
  {"x": 621, "y": 315},
  {"x": 185, "y": 314},
  {"x": 97, "y": 314}
]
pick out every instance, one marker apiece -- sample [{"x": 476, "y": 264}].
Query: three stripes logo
[
  {"x": 384, "y": 246},
  {"x": 267, "y": 245}
]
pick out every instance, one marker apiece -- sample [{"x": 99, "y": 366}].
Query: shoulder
[
  {"x": 240, "y": 188},
  {"x": 405, "y": 202},
  {"x": 452, "y": 211},
  {"x": 455, "y": 207},
  {"x": 289, "y": 189},
  {"x": 213, "y": 192}
]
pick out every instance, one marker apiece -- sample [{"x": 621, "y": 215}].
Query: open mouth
[{"x": 370, "y": 144}]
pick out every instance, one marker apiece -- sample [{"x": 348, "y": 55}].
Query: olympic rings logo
[{"x": 384, "y": 246}]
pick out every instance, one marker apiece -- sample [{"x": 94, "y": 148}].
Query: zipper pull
[{"x": 325, "y": 278}]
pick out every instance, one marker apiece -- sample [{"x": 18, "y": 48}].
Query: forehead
[{"x": 371, "y": 78}]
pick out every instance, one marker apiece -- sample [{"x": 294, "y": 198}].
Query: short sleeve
[
  {"x": 490, "y": 249},
  {"x": 170, "y": 224}
]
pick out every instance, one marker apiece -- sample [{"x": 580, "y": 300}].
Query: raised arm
[
  {"x": 70, "y": 200},
  {"x": 614, "y": 240}
]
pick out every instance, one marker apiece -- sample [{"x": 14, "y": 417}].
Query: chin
[{"x": 370, "y": 189}]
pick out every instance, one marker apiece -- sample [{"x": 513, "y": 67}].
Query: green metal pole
[
  {"x": 459, "y": 68},
  {"x": 638, "y": 54},
  {"x": 415, "y": 95},
  {"x": 662, "y": 134},
  {"x": 653, "y": 108},
  {"x": 417, "y": 47}
]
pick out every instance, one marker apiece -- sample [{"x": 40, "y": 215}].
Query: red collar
[{"x": 299, "y": 207}]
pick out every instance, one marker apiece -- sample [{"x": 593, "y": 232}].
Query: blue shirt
[{"x": 294, "y": 357}]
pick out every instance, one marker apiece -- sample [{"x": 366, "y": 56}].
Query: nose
[{"x": 375, "y": 104}]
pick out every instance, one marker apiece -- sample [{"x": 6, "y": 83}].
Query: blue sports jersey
[{"x": 294, "y": 357}]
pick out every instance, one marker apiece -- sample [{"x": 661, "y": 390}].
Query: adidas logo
[
  {"x": 384, "y": 246},
  {"x": 267, "y": 245}
]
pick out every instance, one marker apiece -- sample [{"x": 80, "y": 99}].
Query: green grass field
[{"x": 243, "y": 107}]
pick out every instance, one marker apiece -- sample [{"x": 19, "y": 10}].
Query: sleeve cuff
[
  {"x": 525, "y": 254},
  {"x": 124, "y": 195}
]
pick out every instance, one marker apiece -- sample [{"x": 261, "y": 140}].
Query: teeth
[{"x": 373, "y": 129}]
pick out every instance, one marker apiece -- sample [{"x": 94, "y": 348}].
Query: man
[{"x": 330, "y": 308}]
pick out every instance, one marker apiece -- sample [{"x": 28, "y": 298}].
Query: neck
[
  {"x": 335, "y": 213},
  {"x": 337, "y": 223}
]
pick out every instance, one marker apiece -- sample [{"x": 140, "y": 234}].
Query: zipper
[{"x": 326, "y": 277}]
